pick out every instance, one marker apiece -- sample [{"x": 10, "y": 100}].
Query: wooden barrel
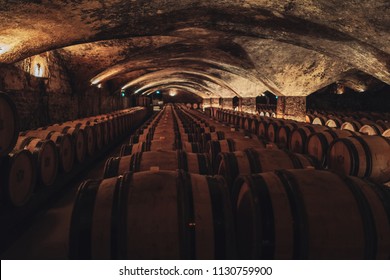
[
  {"x": 45, "y": 155},
  {"x": 206, "y": 137},
  {"x": 251, "y": 161},
  {"x": 334, "y": 122},
  {"x": 153, "y": 215},
  {"x": 190, "y": 137},
  {"x": 192, "y": 147},
  {"x": 283, "y": 134},
  {"x": 155, "y": 145},
  {"x": 362, "y": 156},
  {"x": 320, "y": 120},
  {"x": 104, "y": 126},
  {"x": 63, "y": 143},
  {"x": 262, "y": 128},
  {"x": 383, "y": 123},
  {"x": 231, "y": 145},
  {"x": 89, "y": 135},
  {"x": 310, "y": 214},
  {"x": 9, "y": 125},
  {"x": 317, "y": 144},
  {"x": 372, "y": 129},
  {"x": 18, "y": 178},
  {"x": 78, "y": 137},
  {"x": 255, "y": 126},
  {"x": 352, "y": 125},
  {"x": 248, "y": 123},
  {"x": 309, "y": 118},
  {"x": 97, "y": 130},
  {"x": 162, "y": 160},
  {"x": 272, "y": 130},
  {"x": 299, "y": 137},
  {"x": 136, "y": 138}
]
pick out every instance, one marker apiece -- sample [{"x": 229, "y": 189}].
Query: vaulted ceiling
[{"x": 210, "y": 48}]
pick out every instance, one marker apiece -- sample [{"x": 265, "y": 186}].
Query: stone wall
[
  {"x": 227, "y": 103},
  {"x": 214, "y": 102},
  {"x": 291, "y": 107},
  {"x": 53, "y": 97},
  {"x": 248, "y": 105}
]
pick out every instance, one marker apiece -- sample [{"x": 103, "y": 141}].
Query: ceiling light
[{"x": 4, "y": 48}]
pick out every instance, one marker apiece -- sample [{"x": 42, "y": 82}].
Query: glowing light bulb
[
  {"x": 4, "y": 48},
  {"x": 38, "y": 70}
]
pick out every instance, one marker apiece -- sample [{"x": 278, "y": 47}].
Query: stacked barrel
[
  {"x": 344, "y": 152},
  {"x": 17, "y": 167},
  {"x": 175, "y": 200},
  {"x": 363, "y": 122},
  {"x": 342, "y": 148},
  {"x": 32, "y": 160}
]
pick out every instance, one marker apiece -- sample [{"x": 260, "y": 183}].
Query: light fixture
[
  {"x": 99, "y": 85},
  {"x": 172, "y": 92},
  {"x": 340, "y": 88},
  {"x": 4, "y": 48},
  {"x": 38, "y": 70}
]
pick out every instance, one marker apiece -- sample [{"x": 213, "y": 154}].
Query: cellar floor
[{"x": 47, "y": 237}]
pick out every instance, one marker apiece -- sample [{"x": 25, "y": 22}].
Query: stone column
[
  {"x": 227, "y": 103},
  {"x": 214, "y": 102},
  {"x": 248, "y": 105},
  {"x": 291, "y": 107},
  {"x": 206, "y": 102}
]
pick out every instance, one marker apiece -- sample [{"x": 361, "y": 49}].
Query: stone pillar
[
  {"x": 214, "y": 102},
  {"x": 227, "y": 103},
  {"x": 248, "y": 105},
  {"x": 291, "y": 108},
  {"x": 206, "y": 102}
]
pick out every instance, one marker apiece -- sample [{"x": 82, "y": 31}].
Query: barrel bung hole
[{"x": 245, "y": 223}]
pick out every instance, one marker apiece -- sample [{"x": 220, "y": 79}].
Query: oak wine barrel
[
  {"x": 317, "y": 144},
  {"x": 251, "y": 161},
  {"x": 161, "y": 160},
  {"x": 78, "y": 137},
  {"x": 192, "y": 147},
  {"x": 334, "y": 122},
  {"x": 372, "y": 129},
  {"x": 17, "y": 178},
  {"x": 231, "y": 145},
  {"x": 284, "y": 133},
  {"x": 362, "y": 156},
  {"x": 272, "y": 129},
  {"x": 353, "y": 125},
  {"x": 45, "y": 156},
  {"x": 153, "y": 215},
  {"x": 9, "y": 125},
  {"x": 310, "y": 214},
  {"x": 63, "y": 143},
  {"x": 320, "y": 120},
  {"x": 147, "y": 146},
  {"x": 90, "y": 139},
  {"x": 299, "y": 137}
]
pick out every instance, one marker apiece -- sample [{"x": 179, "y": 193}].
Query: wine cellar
[{"x": 156, "y": 130}]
